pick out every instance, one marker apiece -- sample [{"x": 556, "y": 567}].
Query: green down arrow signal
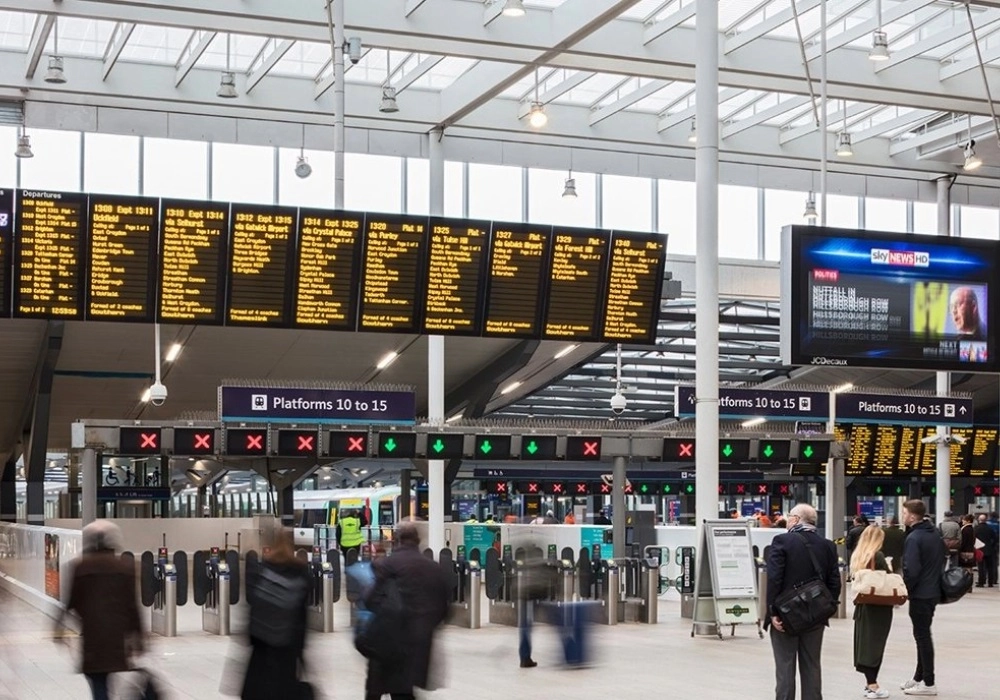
[
  {"x": 390, "y": 444},
  {"x": 768, "y": 451},
  {"x": 486, "y": 447},
  {"x": 438, "y": 446},
  {"x": 808, "y": 451},
  {"x": 644, "y": 488},
  {"x": 689, "y": 488},
  {"x": 532, "y": 447},
  {"x": 727, "y": 450}
]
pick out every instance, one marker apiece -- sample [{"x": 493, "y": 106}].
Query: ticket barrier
[
  {"x": 501, "y": 587},
  {"x": 325, "y": 590},
  {"x": 163, "y": 586},
  {"x": 467, "y": 579},
  {"x": 216, "y": 588},
  {"x": 599, "y": 580}
]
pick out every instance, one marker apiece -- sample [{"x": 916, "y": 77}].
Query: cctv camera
[
  {"x": 354, "y": 49},
  {"x": 302, "y": 168},
  {"x": 618, "y": 404},
  {"x": 157, "y": 394}
]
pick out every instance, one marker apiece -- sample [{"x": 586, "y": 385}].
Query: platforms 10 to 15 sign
[{"x": 76, "y": 256}]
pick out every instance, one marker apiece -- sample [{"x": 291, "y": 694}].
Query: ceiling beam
[
  {"x": 834, "y": 118},
  {"x": 936, "y": 134},
  {"x": 933, "y": 41},
  {"x": 758, "y": 30},
  {"x": 950, "y": 70},
  {"x": 116, "y": 44},
  {"x": 411, "y": 7},
  {"x": 658, "y": 29},
  {"x": 256, "y": 74},
  {"x": 670, "y": 120},
  {"x": 419, "y": 71},
  {"x": 736, "y": 127},
  {"x": 197, "y": 45},
  {"x": 902, "y": 121},
  {"x": 602, "y": 113},
  {"x": 890, "y": 14},
  {"x": 323, "y": 84},
  {"x": 36, "y": 45}
]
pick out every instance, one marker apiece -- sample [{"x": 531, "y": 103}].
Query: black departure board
[
  {"x": 909, "y": 451},
  {"x": 885, "y": 455},
  {"x": 862, "y": 439},
  {"x": 516, "y": 274},
  {"x": 983, "y": 453},
  {"x": 635, "y": 282},
  {"x": 261, "y": 252},
  {"x": 456, "y": 260},
  {"x": 327, "y": 266},
  {"x": 392, "y": 268},
  {"x": 958, "y": 455},
  {"x": 576, "y": 284},
  {"x": 193, "y": 238},
  {"x": 48, "y": 256},
  {"x": 121, "y": 258},
  {"x": 6, "y": 247}
]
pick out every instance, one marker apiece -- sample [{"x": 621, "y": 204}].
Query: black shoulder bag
[{"x": 808, "y": 605}]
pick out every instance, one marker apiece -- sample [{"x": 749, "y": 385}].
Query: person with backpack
[
  {"x": 951, "y": 532},
  {"x": 278, "y": 596}
]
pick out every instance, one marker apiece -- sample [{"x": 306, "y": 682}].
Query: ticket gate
[
  {"x": 325, "y": 590},
  {"x": 216, "y": 588},
  {"x": 162, "y": 587},
  {"x": 467, "y": 580}
]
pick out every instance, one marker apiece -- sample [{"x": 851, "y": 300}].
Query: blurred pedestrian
[
  {"x": 103, "y": 595},
  {"x": 872, "y": 623},
  {"x": 892, "y": 544},
  {"x": 987, "y": 561},
  {"x": 550, "y": 518},
  {"x": 278, "y": 598},
  {"x": 851, "y": 540},
  {"x": 967, "y": 545},
  {"x": 570, "y": 519},
  {"x": 602, "y": 518},
  {"x": 424, "y": 593}
]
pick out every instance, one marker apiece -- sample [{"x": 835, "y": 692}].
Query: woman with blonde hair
[{"x": 871, "y": 622}]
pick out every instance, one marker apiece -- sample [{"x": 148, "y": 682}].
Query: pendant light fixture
[
  {"x": 537, "y": 117},
  {"x": 880, "y": 40},
  {"x": 23, "y": 145},
  {"x": 227, "y": 85},
  {"x": 55, "y": 74},
  {"x": 302, "y": 167},
  {"x": 810, "y": 213},
  {"x": 388, "y": 105},
  {"x": 972, "y": 161},
  {"x": 844, "y": 148}
]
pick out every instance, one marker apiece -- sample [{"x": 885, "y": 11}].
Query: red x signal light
[
  {"x": 761, "y": 489},
  {"x": 582, "y": 488},
  {"x": 784, "y": 490},
  {"x": 501, "y": 487},
  {"x": 722, "y": 489},
  {"x": 203, "y": 441},
  {"x": 356, "y": 444},
  {"x": 685, "y": 449},
  {"x": 147, "y": 441},
  {"x": 605, "y": 488},
  {"x": 533, "y": 487},
  {"x": 255, "y": 441},
  {"x": 306, "y": 443},
  {"x": 741, "y": 489},
  {"x": 557, "y": 489}
]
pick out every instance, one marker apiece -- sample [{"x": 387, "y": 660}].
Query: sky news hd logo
[
  {"x": 258, "y": 402},
  {"x": 900, "y": 258}
]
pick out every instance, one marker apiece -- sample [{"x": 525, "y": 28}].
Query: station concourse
[{"x": 583, "y": 280}]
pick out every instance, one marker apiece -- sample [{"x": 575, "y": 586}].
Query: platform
[{"x": 480, "y": 662}]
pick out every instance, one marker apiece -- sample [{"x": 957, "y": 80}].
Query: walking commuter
[
  {"x": 570, "y": 519},
  {"x": 924, "y": 557},
  {"x": 535, "y": 582},
  {"x": 102, "y": 594},
  {"x": 988, "y": 563},
  {"x": 789, "y": 564},
  {"x": 892, "y": 545},
  {"x": 602, "y": 518},
  {"x": 349, "y": 535},
  {"x": 871, "y": 622},
  {"x": 278, "y": 599},
  {"x": 425, "y": 593}
]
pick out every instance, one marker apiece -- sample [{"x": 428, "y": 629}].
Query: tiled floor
[{"x": 631, "y": 661}]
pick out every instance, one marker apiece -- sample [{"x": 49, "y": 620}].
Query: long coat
[
  {"x": 103, "y": 594},
  {"x": 425, "y": 594},
  {"x": 789, "y": 565},
  {"x": 871, "y": 627}
]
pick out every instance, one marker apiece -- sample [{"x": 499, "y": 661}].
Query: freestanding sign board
[{"x": 725, "y": 589}]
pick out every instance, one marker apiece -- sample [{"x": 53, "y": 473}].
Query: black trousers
[
  {"x": 922, "y": 615},
  {"x": 988, "y": 570},
  {"x": 394, "y": 696},
  {"x": 871, "y": 673},
  {"x": 802, "y": 651},
  {"x": 98, "y": 685}
]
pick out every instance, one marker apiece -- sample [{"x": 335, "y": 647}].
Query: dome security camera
[
  {"x": 618, "y": 403},
  {"x": 353, "y": 49},
  {"x": 158, "y": 394},
  {"x": 302, "y": 168}
]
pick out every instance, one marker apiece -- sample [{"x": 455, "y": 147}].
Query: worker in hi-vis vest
[{"x": 349, "y": 535}]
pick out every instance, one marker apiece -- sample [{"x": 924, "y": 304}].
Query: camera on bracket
[
  {"x": 618, "y": 403},
  {"x": 158, "y": 394}
]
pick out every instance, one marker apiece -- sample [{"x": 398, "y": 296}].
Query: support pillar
[
  {"x": 435, "y": 366},
  {"x": 286, "y": 505},
  {"x": 707, "y": 262},
  {"x": 199, "y": 502},
  {"x": 8, "y": 492},
  {"x": 336, "y": 7},
  {"x": 618, "y": 515},
  {"x": 90, "y": 470},
  {"x": 942, "y": 457},
  {"x": 404, "y": 494}
]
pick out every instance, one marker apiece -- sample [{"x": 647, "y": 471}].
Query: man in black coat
[
  {"x": 892, "y": 545},
  {"x": 988, "y": 564},
  {"x": 789, "y": 565},
  {"x": 425, "y": 593},
  {"x": 924, "y": 556}
]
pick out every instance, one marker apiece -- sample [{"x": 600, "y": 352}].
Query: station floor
[{"x": 629, "y": 660}]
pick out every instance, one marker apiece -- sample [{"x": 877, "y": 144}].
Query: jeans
[
  {"x": 98, "y": 685},
  {"x": 922, "y": 615},
  {"x": 525, "y": 610}
]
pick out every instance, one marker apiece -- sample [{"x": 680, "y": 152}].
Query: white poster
[{"x": 736, "y": 573}]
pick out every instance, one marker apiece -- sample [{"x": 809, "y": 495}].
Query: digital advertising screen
[{"x": 870, "y": 299}]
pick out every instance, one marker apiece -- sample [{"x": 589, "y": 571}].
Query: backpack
[
  {"x": 275, "y": 606},
  {"x": 382, "y": 637}
]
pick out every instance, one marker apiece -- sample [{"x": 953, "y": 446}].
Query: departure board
[
  {"x": 516, "y": 273},
  {"x": 261, "y": 252},
  {"x": 327, "y": 265},
  {"x": 392, "y": 270},
  {"x": 193, "y": 239},
  {"x": 635, "y": 282},
  {"x": 456, "y": 260},
  {"x": 48, "y": 256},
  {"x": 576, "y": 284},
  {"x": 862, "y": 449},
  {"x": 958, "y": 455},
  {"x": 983, "y": 455},
  {"x": 121, "y": 258},
  {"x": 6, "y": 248},
  {"x": 909, "y": 451},
  {"x": 885, "y": 457}
]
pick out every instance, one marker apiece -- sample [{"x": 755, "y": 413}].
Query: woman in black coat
[{"x": 872, "y": 623}]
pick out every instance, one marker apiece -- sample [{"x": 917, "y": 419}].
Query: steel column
[
  {"x": 435, "y": 365},
  {"x": 942, "y": 457}
]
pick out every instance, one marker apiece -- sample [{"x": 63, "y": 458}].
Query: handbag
[
  {"x": 876, "y": 587},
  {"x": 955, "y": 583},
  {"x": 808, "y": 605}
]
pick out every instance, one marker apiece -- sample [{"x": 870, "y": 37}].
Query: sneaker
[
  {"x": 908, "y": 684},
  {"x": 875, "y": 693},
  {"x": 921, "y": 689},
  {"x": 528, "y": 663}
]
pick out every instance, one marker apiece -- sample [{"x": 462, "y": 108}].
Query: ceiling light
[
  {"x": 24, "y": 147},
  {"x": 569, "y": 189},
  {"x": 227, "y": 86},
  {"x": 844, "y": 149},
  {"x": 564, "y": 352},
  {"x": 456, "y": 417},
  {"x": 509, "y": 388},
  {"x": 880, "y": 46},
  {"x": 55, "y": 74},
  {"x": 972, "y": 161},
  {"x": 173, "y": 352},
  {"x": 537, "y": 116},
  {"x": 843, "y": 387},
  {"x": 810, "y": 212},
  {"x": 388, "y": 105},
  {"x": 513, "y": 8},
  {"x": 302, "y": 167},
  {"x": 387, "y": 360},
  {"x": 693, "y": 134},
  {"x": 145, "y": 396},
  {"x": 753, "y": 421}
]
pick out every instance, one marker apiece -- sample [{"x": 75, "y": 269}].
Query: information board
[
  {"x": 456, "y": 267},
  {"x": 193, "y": 238},
  {"x": 121, "y": 258},
  {"x": 983, "y": 455},
  {"x": 328, "y": 269},
  {"x": 575, "y": 284},
  {"x": 726, "y": 581},
  {"x": 516, "y": 275},
  {"x": 886, "y": 452},
  {"x": 864, "y": 298},
  {"x": 393, "y": 262},
  {"x": 6, "y": 247},
  {"x": 261, "y": 253},
  {"x": 635, "y": 279},
  {"x": 49, "y": 254}
]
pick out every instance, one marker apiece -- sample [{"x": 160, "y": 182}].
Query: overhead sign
[
  {"x": 774, "y": 404},
  {"x": 275, "y": 405},
  {"x": 903, "y": 410}
]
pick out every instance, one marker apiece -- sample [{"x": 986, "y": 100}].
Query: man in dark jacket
[
  {"x": 425, "y": 593},
  {"x": 789, "y": 564},
  {"x": 851, "y": 540},
  {"x": 988, "y": 564},
  {"x": 892, "y": 545},
  {"x": 924, "y": 558}
]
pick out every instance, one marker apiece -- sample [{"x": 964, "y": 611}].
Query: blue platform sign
[
  {"x": 774, "y": 404},
  {"x": 289, "y": 405},
  {"x": 904, "y": 410}
]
